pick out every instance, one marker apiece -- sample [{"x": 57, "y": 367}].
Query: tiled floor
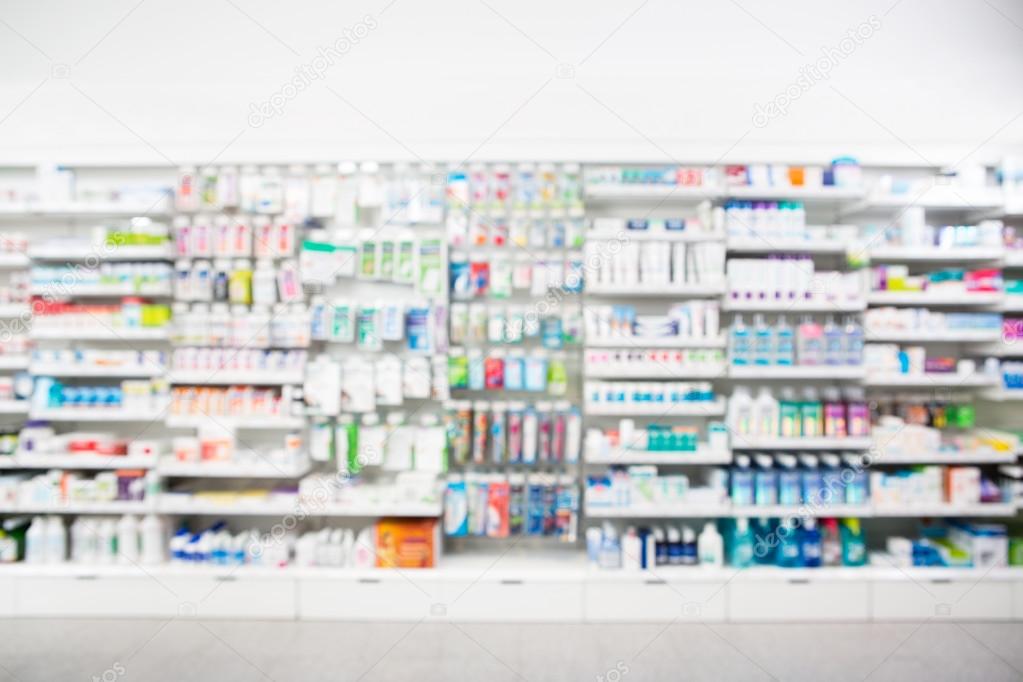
[{"x": 234, "y": 651}]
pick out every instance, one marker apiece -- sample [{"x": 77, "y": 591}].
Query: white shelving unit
[
  {"x": 140, "y": 372},
  {"x": 702, "y": 456},
  {"x": 69, "y": 414},
  {"x": 949, "y": 379},
  {"x": 632, "y": 342},
  {"x": 810, "y": 306},
  {"x": 100, "y": 334},
  {"x": 934, "y": 298},
  {"x": 100, "y": 252},
  {"x": 696, "y": 408},
  {"x": 169, "y": 467},
  {"x": 796, "y": 372},
  {"x": 677, "y": 291},
  {"x": 772, "y": 245},
  {"x": 918, "y": 254},
  {"x": 935, "y": 336},
  {"x": 227, "y": 377},
  {"x": 25, "y": 460},
  {"x": 254, "y": 422},
  {"x": 823, "y": 443},
  {"x": 660, "y": 372}
]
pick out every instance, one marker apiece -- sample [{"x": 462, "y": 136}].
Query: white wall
[{"x": 157, "y": 80}]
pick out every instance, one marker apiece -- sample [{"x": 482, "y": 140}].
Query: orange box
[{"x": 407, "y": 543}]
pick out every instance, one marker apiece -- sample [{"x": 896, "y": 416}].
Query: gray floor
[{"x": 123, "y": 650}]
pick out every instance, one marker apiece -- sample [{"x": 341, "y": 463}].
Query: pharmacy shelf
[
  {"x": 800, "y": 511},
  {"x": 930, "y": 379},
  {"x": 13, "y": 260},
  {"x": 633, "y": 342},
  {"x": 98, "y": 333},
  {"x": 225, "y": 377},
  {"x": 823, "y": 443},
  {"x": 14, "y": 362},
  {"x": 707, "y": 408},
  {"x": 703, "y": 455},
  {"x": 25, "y": 460},
  {"x": 935, "y": 336},
  {"x": 678, "y": 511},
  {"x": 625, "y": 235},
  {"x": 933, "y": 298},
  {"x": 85, "y": 414},
  {"x": 13, "y": 407},
  {"x": 1013, "y": 258},
  {"x": 710, "y": 290},
  {"x": 114, "y": 507},
  {"x": 252, "y": 422},
  {"x": 662, "y": 371},
  {"x": 923, "y": 254},
  {"x": 942, "y": 457},
  {"x": 1012, "y": 303},
  {"x": 943, "y": 510},
  {"x": 783, "y": 306},
  {"x": 796, "y": 372},
  {"x": 1001, "y": 395},
  {"x": 100, "y": 252},
  {"x": 283, "y": 505},
  {"x": 770, "y": 244},
  {"x": 822, "y": 194},
  {"x": 112, "y": 371},
  {"x": 172, "y": 468},
  {"x": 620, "y": 192},
  {"x": 157, "y": 209},
  {"x": 9, "y": 310},
  {"x": 935, "y": 198},
  {"x": 59, "y": 290}
]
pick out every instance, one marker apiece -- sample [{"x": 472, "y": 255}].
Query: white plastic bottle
[
  {"x": 35, "y": 542},
  {"x": 56, "y": 541},
  {"x": 710, "y": 546},
  {"x": 632, "y": 550},
  {"x": 765, "y": 414},
  {"x": 128, "y": 540},
  {"x": 740, "y": 412},
  {"x": 107, "y": 536},
  {"x": 152, "y": 540}
]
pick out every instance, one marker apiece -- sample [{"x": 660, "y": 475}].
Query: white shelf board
[
  {"x": 1012, "y": 303},
  {"x": 709, "y": 408},
  {"x": 115, "y": 507},
  {"x": 13, "y": 407},
  {"x": 783, "y": 306},
  {"x": 633, "y": 342},
  {"x": 98, "y": 333},
  {"x": 822, "y": 194},
  {"x": 624, "y": 234},
  {"x": 929, "y": 379},
  {"x": 823, "y": 443},
  {"x": 260, "y": 469},
  {"x": 657, "y": 291},
  {"x": 13, "y": 260},
  {"x": 1000, "y": 395},
  {"x": 158, "y": 208},
  {"x": 773, "y": 245},
  {"x": 924, "y": 254},
  {"x": 796, "y": 372},
  {"x": 641, "y": 192},
  {"x": 100, "y": 290},
  {"x": 802, "y": 510},
  {"x": 678, "y": 511},
  {"x": 41, "y": 369},
  {"x": 9, "y": 310},
  {"x": 935, "y": 336},
  {"x": 290, "y": 504},
  {"x": 252, "y": 422},
  {"x": 1013, "y": 258},
  {"x": 946, "y": 510},
  {"x": 940, "y": 457},
  {"x": 26, "y": 460},
  {"x": 937, "y": 197},
  {"x": 14, "y": 362},
  {"x": 226, "y": 377},
  {"x": 96, "y": 415},
  {"x": 701, "y": 456},
  {"x": 663, "y": 372},
  {"x": 931, "y": 298},
  {"x": 100, "y": 252}
]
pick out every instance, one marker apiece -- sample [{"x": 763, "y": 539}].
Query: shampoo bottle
[
  {"x": 854, "y": 548},
  {"x": 710, "y": 546},
  {"x": 810, "y": 544},
  {"x": 740, "y": 551}
]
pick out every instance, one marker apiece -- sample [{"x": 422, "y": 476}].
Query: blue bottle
[
  {"x": 766, "y": 482},
  {"x": 810, "y": 544},
  {"x": 742, "y": 482},
  {"x": 789, "y": 545},
  {"x": 784, "y": 343},
  {"x": 790, "y": 482},
  {"x": 741, "y": 346},
  {"x": 740, "y": 546},
  {"x": 763, "y": 342},
  {"x": 835, "y": 352},
  {"x": 765, "y": 542}
]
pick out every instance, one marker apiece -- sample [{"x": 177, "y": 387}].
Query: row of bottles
[{"x": 808, "y": 344}]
